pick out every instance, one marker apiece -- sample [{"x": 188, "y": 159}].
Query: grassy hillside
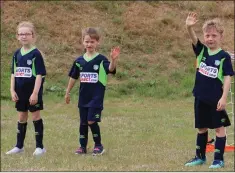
[{"x": 156, "y": 59}]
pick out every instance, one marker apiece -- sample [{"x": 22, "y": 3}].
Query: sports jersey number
[
  {"x": 88, "y": 77},
  {"x": 23, "y": 72},
  {"x": 208, "y": 71}
]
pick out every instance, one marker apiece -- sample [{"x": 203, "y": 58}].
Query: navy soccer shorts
[
  {"x": 90, "y": 114},
  {"x": 24, "y": 106},
  {"x": 206, "y": 116}
]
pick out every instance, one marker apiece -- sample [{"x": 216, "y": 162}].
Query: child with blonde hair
[
  {"x": 212, "y": 83},
  {"x": 27, "y": 78}
]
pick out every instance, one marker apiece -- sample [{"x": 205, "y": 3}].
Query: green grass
[{"x": 139, "y": 134}]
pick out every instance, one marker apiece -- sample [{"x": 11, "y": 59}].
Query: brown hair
[
  {"x": 92, "y": 32},
  {"x": 216, "y": 23}
]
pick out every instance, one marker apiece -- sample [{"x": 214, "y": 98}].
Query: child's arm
[
  {"x": 222, "y": 102},
  {"x": 14, "y": 96},
  {"x": 190, "y": 22},
  {"x": 114, "y": 56},
  {"x": 69, "y": 88},
  {"x": 34, "y": 96}
]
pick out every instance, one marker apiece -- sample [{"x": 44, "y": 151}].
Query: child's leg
[
  {"x": 21, "y": 129},
  {"x": 202, "y": 138},
  {"x": 94, "y": 116},
  {"x": 38, "y": 126},
  {"x": 83, "y": 134},
  {"x": 83, "y": 129},
  {"x": 220, "y": 143},
  {"x": 95, "y": 129}
]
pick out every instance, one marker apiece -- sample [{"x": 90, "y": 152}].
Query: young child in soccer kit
[
  {"x": 28, "y": 72},
  {"x": 92, "y": 69},
  {"x": 212, "y": 83}
]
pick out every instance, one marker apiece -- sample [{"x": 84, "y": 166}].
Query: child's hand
[
  {"x": 221, "y": 104},
  {"x": 14, "y": 96},
  {"x": 191, "y": 19},
  {"x": 115, "y": 53},
  {"x": 67, "y": 98},
  {"x": 33, "y": 99}
]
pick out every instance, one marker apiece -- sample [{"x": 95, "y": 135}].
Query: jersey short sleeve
[
  {"x": 227, "y": 66},
  {"x": 39, "y": 65},
  {"x": 14, "y": 62},
  {"x": 75, "y": 70},
  {"x": 198, "y": 47}
]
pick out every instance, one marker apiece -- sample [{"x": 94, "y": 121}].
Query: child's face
[
  {"x": 90, "y": 44},
  {"x": 212, "y": 38},
  {"x": 25, "y": 36}
]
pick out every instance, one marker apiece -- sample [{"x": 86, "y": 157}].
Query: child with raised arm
[
  {"x": 92, "y": 69},
  {"x": 212, "y": 83},
  {"x": 27, "y": 78}
]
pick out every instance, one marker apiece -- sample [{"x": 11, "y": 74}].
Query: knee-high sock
[
  {"x": 21, "y": 131},
  {"x": 38, "y": 126},
  {"x": 83, "y": 138},
  {"x": 219, "y": 148},
  {"x": 201, "y": 145},
  {"x": 95, "y": 129}
]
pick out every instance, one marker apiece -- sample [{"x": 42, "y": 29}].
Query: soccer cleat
[
  {"x": 217, "y": 164},
  {"x": 81, "y": 150},
  {"x": 39, "y": 151},
  {"x": 15, "y": 150},
  {"x": 98, "y": 150},
  {"x": 195, "y": 161}
]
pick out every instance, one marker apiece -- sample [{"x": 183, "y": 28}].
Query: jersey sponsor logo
[
  {"x": 29, "y": 62},
  {"x": 208, "y": 71},
  {"x": 95, "y": 67},
  {"x": 86, "y": 77},
  {"x": 23, "y": 72}
]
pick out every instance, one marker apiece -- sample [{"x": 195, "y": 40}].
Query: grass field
[
  {"x": 139, "y": 134},
  {"x": 148, "y": 121}
]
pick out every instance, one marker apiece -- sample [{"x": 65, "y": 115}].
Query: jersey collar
[
  {"x": 23, "y": 52},
  {"x": 214, "y": 52},
  {"x": 89, "y": 59}
]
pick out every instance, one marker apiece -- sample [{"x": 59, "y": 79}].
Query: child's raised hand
[
  {"x": 191, "y": 19},
  {"x": 115, "y": 53},
  {"x": 14, "y": 96}
]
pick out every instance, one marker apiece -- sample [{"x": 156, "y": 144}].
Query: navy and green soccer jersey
[
  {"x": 93, "y": 79},
  {"x": 211, "y": 69},
  {"x": 25, "y": 67}
]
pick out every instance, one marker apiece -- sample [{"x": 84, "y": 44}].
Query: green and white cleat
[
  {"x": 195, "y": 161},
  {"x": 217, "y": 164}
]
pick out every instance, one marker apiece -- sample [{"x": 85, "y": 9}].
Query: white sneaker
[
  {"x": 39, "y": 151},
  {"x": 15, "y": 150}
]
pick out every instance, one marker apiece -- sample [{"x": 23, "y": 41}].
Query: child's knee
[
  {"x": 36, "y": 115},
  {"x": 202, "y": 130},
  {"x": 91, "y": 122},
  {"x": 220, "y": 132}
]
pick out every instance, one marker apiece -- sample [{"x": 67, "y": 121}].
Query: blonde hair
[
  {"x": 27, "y": 24},
  {"x": 31, "y": 26},
  {"x": 92, "y": 32},
  {"x": 216, "y": 23}
]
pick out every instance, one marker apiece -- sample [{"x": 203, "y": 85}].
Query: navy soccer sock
[
  {"x": 95, "y": 129},
  {"x": 21, "y": 131},
  {"x": 201, "y": 145},
  {"x": 38, "y": 126},
  {"x": 219, "y": 148},
  {"x": 83, "y": 138}
]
